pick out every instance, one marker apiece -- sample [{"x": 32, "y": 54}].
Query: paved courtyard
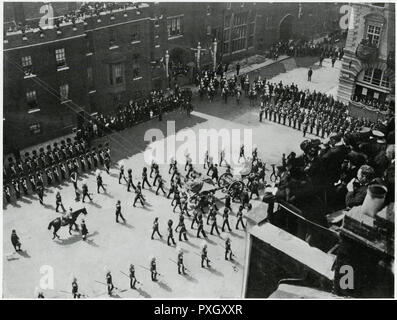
[{"x": 117, "y": 245}]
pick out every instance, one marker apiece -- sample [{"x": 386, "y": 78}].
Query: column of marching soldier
[{"x": 180, "y": 200}]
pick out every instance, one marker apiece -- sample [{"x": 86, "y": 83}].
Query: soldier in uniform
[
  {"x": 32, "y": 181},
  {"x": 156, "y": 176},
  {"x": 138, "y": 194},
  {"x": 107, "y": 164},
  {"x": 240, "y": 217},
  {"x": 132, "y": 276},
  {"x": 161, "y": 185},
  {"x": 226, "y": 220},
  {"x": 153, "y": 269},
  {"x": 156, "y": 228},
  {"x": 153, "y": 168},
  {"x": 7, "y": 193},
  {"x": 206, "y": 159},
  {"x": 214, "y": 225},
  {"x": 24, "y": 184},
  {"x": 183, "y": 232},
  {"x": 121, "y": 174},
  {"x": 215, "y": 172},
  {"x": 15, "y": 184},
  {"x": 242, "y": 155},
  {"x": 73, "y": 177},
  {"x": 228, "y": 249},
  {"x": 85, "y": 192},
  {"x": 254, "y": 188},
  {"x": 170, "y": 233},
  {"x": 144, "y": 178},
  {"x": 228, "y": 202},
  {"x": 200, "y": 229},
  {"x": 109, "y": 282},
  {"x": 40, "y": 193},
  {"x": 99, "y": 183},
  {"x": 130, "y": 183},
  {"x": 181, "y": 266},
  {"x": 118, "y": 212},
  {"x": 84, "y": 230},
  {"x": 196, "y": 216},
  {"x": 63, "y": 171},
  {"x": 58, "y": 202},
  {"x": 173, "y": 188},
  {"x": 204, "y": 256},
  {"x": 15, "y": 241},
  {"x": 177, "y": 199},
  {"x": 75, "y": 289}
]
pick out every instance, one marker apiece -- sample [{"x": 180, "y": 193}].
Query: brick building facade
[{"x": 56, "y": 77}]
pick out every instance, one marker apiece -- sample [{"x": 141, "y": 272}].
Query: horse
[{"x": 61, "y": 222}]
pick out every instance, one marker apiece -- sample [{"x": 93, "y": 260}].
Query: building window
[
  {"x": 116, "y": 74},
  {"x": 35, "y": 128},
  {"x": 60, "y": 58},
  {"x": 31, "y": 99},
  {"x": 27, "y": 65},
  {"x": 239, "y": 32},
  {"x": 378, "y": 5},
  {"x": 112, "y": 38},
  {"x": 64, "y": 92},
  {"x": 227, "y": 21},
  {"x": 376, "y": 77},
  {"x": 174, "y": 26},
  {"x": 373, "y": 34},
  {"x": 90, "y": 78},
  {"x": 136, "y": 72},
  {"x": 226, "y": 42},
  {"x": 135, "y": 33},
  {"x": 228, "y": 5}
]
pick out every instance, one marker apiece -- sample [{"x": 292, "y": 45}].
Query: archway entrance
[{"x": 286, "y": 25}]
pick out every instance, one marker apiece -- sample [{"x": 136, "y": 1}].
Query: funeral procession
[{"x": 198, "y": 150}]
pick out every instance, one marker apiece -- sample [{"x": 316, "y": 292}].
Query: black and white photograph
[{"x": 198, "y": 150}]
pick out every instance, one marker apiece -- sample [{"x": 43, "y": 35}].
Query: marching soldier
[
  {"x": 58, "y": 202},
  {"x": 84, "y": 230},
  {"x": 55, "y": 174},
  {"x": 228, "y": 249},
  {"x": 109, "y": 282},
  {"x": 49, "y": 176},
  {"x": 90, "y": 164},
  {"x": 161, "y": 185},
  {"x": 177, "y": 199},
  {"x": 215, "y": 172},
  {"x": 226, "y": 220},
  {"x": 170, "y": 233},
  {"x": 121, "y": 174},
  {"x": 15, "y": 241},
  {"x": 188, "y": 160},
  {"x": 228, "y": 202},
  {"x": 181, "y": 221},
  {"x": 138, "y": 194},
  {"x": 240, "y": 217},
  {"x": 222, "y": 157},
  {"x": 181, "y": 266},
  {"x": 214, "y": 224},
  {"x": 183, "y": 232},
  {"x": 200, "y": 229},
  {"x": 107, "y": 164},
  {"x": 144, "y": 178},
  {"x": 82, "y": 162},
  {"x": 99, "y": 182},
  {"x": 172, "y": 189},
  {"x": 156, "y": 228},
  {"x": 190, "y": 171},
  {"x": 173, "y": 165},
  {"x": 118, "y": 212},
  {"x": 156, "y": 175},
  {"x": 85, "y": 192},
  {"x": 153, "y": 269},
  {"x": 130, "y": 183},
  {"x": 204, "y": 256},
  {"x": 184, "y": 205},
  {"x": 153, "y": 168},
  {"x": 132, "y": 276}
]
